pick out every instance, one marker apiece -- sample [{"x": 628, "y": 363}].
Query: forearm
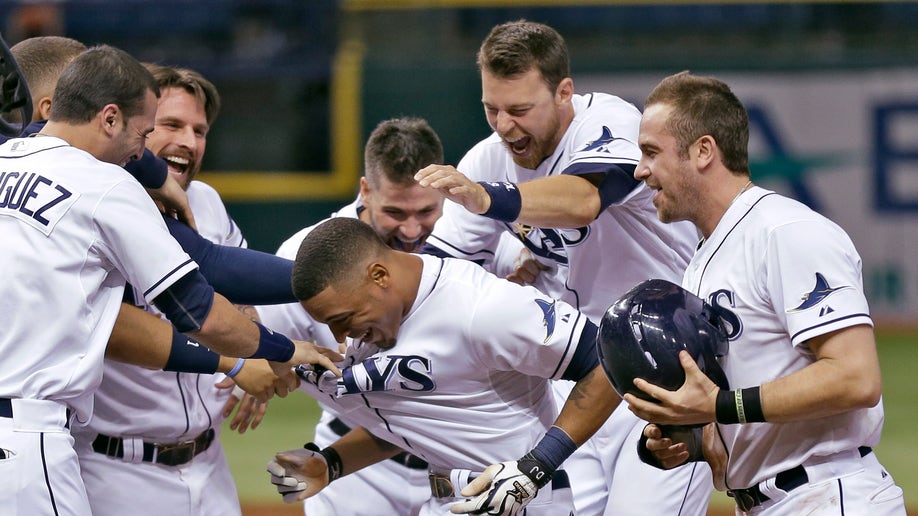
[
  {"x": 227, "y": 331},
  {"x": 588, "y": 406},
  {"x": 359, "y": 449},
  {"x": 563, "y": 201},
  {"x": 139, "y": 338}
]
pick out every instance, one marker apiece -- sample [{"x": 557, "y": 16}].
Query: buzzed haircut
[
  {"x": 42, "y": 59},
  {"x": 398, "y": 148},
  {"x": 513, "y": 48},
  {"x": 99, "y": 76},
  {"x": 705, "y": 106},
  {"x": 331, "y": 255},
  {"x": 193, "y": 83}
]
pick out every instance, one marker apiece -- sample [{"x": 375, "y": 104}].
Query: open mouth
[
  {"x": 177, "y": 164},
  {"x": 519, "y": 145}
]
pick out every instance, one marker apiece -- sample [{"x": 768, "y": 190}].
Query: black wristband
[
  {"x": 752, "y": 405},
  {"x": 533, "y": 468},
  {"x": 332, "y": 459},
  {"x": 739, "y": 406},
  {"x": 189, "y": 356},
  {"x": 725, "y": 408},
  {"x": 506, "y": 201}
]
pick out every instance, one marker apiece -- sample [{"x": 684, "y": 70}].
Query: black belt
[
  {"x": 167, "y": 454},
  {"x": 404, "y": 458},
  {"x": 442, "y": 487},
  {"x": 793, "y": 478}
]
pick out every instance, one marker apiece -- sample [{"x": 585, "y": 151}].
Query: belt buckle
[
  {"x": 744, "y": 499},
  {"x": 175, "y": 454},
  {"x": 440, "y": 486}
]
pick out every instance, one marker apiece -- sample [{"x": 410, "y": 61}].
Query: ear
[
  {"x": 704, "y": 151},
  {"x": 565, "y": 91},
  {"x": 109, "y": 117},
  {"x": 42, "y": 109},
  {"x": 378, "y": 274},
  {"x": 364, "y": 188}
]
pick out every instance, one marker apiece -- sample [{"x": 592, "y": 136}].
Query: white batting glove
[
  {"x": 299, "y": 474},
  {"x": 504, "y": 489}
]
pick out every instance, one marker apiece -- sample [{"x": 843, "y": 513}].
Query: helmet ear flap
[{"x": 642, "y": 333}]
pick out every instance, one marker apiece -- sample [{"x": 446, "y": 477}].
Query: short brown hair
[
  {"x": 705, "y": 106},
  {"x": 514, "y": 48}
]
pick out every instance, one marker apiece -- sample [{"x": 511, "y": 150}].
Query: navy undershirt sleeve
[
  {"x": 244, "y": 276},
  {"x": 586, "y": 358},
  {"x": 186, "y": 302},
  {"x": 618, "y": 180},
  {"x": 149, "y": 170}
]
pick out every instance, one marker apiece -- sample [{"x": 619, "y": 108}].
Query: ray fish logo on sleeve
[
  {"x": 548, "y": 317},
  {"x": 820, "y": 292},
  {"x": 599, "y": 144}
]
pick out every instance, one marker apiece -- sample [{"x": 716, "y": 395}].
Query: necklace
[{"x": 743, "y": 189}]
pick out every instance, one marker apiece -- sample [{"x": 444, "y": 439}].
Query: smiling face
[
  {"x": 403, "y": 215},
  {"x": 364, "y": 309},
  {"x": 129, "y": 135},
  {"x": 665, "y": 169},
  {"x": 180, "y": 135},
  {"x": 528, "y": 116}
]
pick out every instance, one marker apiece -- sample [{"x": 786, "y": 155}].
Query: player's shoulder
[
  {"x": 604, "y": 105},
  {"x": 202, "y": 189}
]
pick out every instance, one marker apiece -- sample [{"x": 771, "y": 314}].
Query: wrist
[
  {"x": 506, "y": 201},
  {"x": 332, "y": 460},
  {"x": 739, "y": 406},
  {"x": 236, "y": 368},
  {"x": 273, "y": 346}
]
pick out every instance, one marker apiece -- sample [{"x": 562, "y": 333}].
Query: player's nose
[
  {"x": 504, "y": 122},
  {"x": 411, "y": 229},
  {"x": 186, "y": 137}
]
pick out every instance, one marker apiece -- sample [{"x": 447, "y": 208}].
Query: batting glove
[
  {"x": 505, "y": 488},
  {"x": 299, "y": 474}
]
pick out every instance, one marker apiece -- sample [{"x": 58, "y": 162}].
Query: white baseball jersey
[
  {"x": 591, "y": 267},
  {"x": 154, "y": 406},
  {"x": 74, "y": 229},
  {"x": 779, "y": 274},
  {"x": 466, "y": 384},
  {"x": 386, "y": 487}
]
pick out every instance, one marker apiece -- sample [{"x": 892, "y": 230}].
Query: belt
[
  {"x": 174, "y": 454},
  {"x": 442, "y": 487},
  {"x": 404, "y": 458},
  {"x": 786, "y": 481},
  {"x": 6, "y": 407}
]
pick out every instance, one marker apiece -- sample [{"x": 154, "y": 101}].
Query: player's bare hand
[
  {"x": 251, "y": 411},
  {"x": 668, "y": 452},
  {"x": 693, "y": 403},
  {"x": 526, "y": 268},
  {"x": 308, "y": 353},
  {"x": 173, "y": 201},
  {"x": 455, "y": 186},
  {"x": 715, "y": 453},
  {"x": 298, "y": 474}
]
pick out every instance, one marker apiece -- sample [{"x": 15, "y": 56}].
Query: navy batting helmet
[{"x": 640, "y": 336}]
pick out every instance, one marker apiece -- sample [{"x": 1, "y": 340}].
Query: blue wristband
[
  {"x": 273, "y": 346},
  {"x": 506, "y": 201},
  {"x": 236, "y": 368},
  {"x": 189, "y": 356},
  {"x": 554, "y": 448}
]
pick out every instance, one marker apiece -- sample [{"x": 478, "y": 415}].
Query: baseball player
[
  {"x": 41, "y": 61},
  {"x": 158, "y": 410},
  {"x": 557, "y": 172},
  {"x": 451, "y": 363},
  {"x": 403, "y": 214},
  {"x": 795, "y": 429},
  {"x": 76, "y": 226}
]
